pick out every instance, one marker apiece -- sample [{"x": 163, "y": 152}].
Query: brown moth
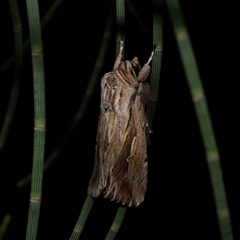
[{"x": 120, "y": 168}]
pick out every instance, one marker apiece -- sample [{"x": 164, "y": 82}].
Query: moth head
[{"x": 132, "y": 67}]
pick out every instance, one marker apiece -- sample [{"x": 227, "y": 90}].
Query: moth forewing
[{"x": 120, "y": 168}]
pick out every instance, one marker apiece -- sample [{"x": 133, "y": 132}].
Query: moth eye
[
  {"x": 128, "y": 66},
  {"x": 135, "y": 64}
]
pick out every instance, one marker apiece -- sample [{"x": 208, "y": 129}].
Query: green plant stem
[
  {"x": 39, "y": 118},
  {"x": 82, "y": 218},
  {"x": 116, "y": 223},
  {"x": 156, "y": 62},
  {"x": 4, "y": 225},
  {"x": 86, "y": 98},
  {"x": 200, "y": 104},
  {"x": 17, "y": 29},
  {"x": 26, "y": 43},
  {"x": 120, "y": 23}
]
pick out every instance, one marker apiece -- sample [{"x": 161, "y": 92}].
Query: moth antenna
[
  {"x": 150, "y": 58},
  {"x": 121, "y": 49},
  {"x": 119, "y": 57}
]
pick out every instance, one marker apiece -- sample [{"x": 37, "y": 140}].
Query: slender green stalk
[
  {"x": 26, "y": 43},
  {"x": 120, "y": 23},
  {"x": 205, "y": 125},
  {"x": 86, "y": 98},
  {"x": 116, "y": 223},
  {"x": 157, "y": 60},
  {"x": 39, "y": 118},
  {"x": 17, "y": 28},
  {"x": 82, "y": 218},
  {"x": 4, "y": 225}
]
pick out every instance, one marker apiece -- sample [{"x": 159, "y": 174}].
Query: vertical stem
[
  {"x": 120, "y": 23},
  {"x": 82, "y": 218},
  {"x": 201, "y": 108},
  {"x": 39, "y": 118},
  {"x": 116, "y": 223},
  {"x": 157, "y": 60}
]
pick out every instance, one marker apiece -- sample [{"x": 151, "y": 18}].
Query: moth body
[{"x": 120, "y": 168}]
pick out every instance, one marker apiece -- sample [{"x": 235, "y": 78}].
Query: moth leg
[
  {"x": 119, "y": 57},
  {"x": 148, "y": 127},
  {"x": 144, "y": 72}
]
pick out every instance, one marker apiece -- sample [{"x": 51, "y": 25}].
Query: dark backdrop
[{"x": 179, "y": 200}]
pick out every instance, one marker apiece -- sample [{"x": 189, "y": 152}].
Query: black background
[{"x": 179, "y": 200}]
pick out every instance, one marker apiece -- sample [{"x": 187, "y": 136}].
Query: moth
[{"x": 121, "y": 168}]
